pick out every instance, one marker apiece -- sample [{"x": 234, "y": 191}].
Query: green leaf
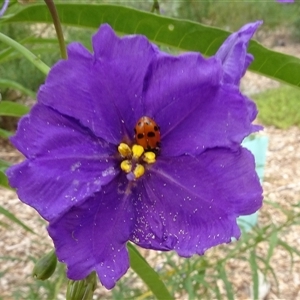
[
  {"x": 7, "y": 54},
  {"x": 182, "y": 34},
  {"x": 288, "y": 247},
  {"x": 25, "y": 52},
  {"x": 3, "y": 180},
  {"x": 278, "y": 206},
  {"x": 269, "y": 269},
  {"x": 147, "y": 274},
  {"x": 228, "y": 286},
  {"x": 4, "y": 165},
  {"x": 14, "y": 219},
  {"x": 8, "y": 108},
  {"x": 254, "y": 268},
  {"x": 42, "y": 41},
  {"x": 5, "y": 134},
  {"x": 273, "y": 241},
  {"x": 6, "y": 83},
  {"x": 40, "y": 45},
  {"x": 290, "y": 251}
]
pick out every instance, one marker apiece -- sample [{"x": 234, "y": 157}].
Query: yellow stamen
[
  {"x": 149, "y": 157},
  {"x": 124, "y": 150},
  {"x": 139, "y": 171},
  {"x": 137, "y": 151},
  {"x": 126, "y": 166}
]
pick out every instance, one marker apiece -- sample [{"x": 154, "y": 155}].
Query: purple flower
[
  {"x": 4, "y": 7},
  {"x": 85, "y": 174}
]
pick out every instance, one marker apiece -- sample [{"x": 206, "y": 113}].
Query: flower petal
[
  {"x": 93, "y": 236},
  {"x": 191, "y": 204},
  {"x": 233, "y": 53},
  {"x": 66, "y": 162},
  {"x": 103, "y": 91},
  {"x": 193, "y": 109}
]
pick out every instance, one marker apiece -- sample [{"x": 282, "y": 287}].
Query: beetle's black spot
[
  {"x": 151, "y": 134},
  {"x": 156, "y": 128},
  {"x": 140, "y": 135}
]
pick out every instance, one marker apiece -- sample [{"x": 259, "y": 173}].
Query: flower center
[{"x": 135, "y": 159}]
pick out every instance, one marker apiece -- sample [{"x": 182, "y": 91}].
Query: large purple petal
[
  {"x": 191, "y": 106},
  {"x": 102, "y": 91},
  {"x": 128, "y": 78},
  {"x": 126, "y": 60},
  {"x": 93, "y": 236},
  {"x": 191, "y": 204},
  {"x": 233, "y": 53},
  {"x": 66, "y": 162}
]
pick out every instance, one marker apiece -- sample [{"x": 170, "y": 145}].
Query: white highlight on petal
[
  {"x": 108, "y": 171},
  {"x": 75, "y": 166},
  {"x": 75, "y": 182}
]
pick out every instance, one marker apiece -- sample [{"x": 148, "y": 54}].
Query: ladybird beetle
[{"x": 147, "y": 135}]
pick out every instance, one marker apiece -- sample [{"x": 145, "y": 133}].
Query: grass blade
[
  {"x": 147, "y": 274},
  {"x": 254, "y": 269},
  {"x": 14, "y": 219},
  {"x": 228, "y": 286},
  {"x": 13, "y": 109},
  {"x": 6, "y": 83}
]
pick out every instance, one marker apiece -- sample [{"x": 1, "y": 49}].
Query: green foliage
[
  {"x": 3, "y": 179},
  {"x": 149, "y": 276},
  {"x": 14, "y": 219},
  {"x": 279, "y": 107},
  {"x": 5, "y": 84},
  {"x": 42, "y": 290},
  {"x": 184, "y": 35},
  {"x": 9, "y": 108},
  {"x": 33, "y": 59},
  {"x": 4, "y": 134},
  {"x": 233, "y": 14},
  {"x": 45, "y": 266},
  {"x": 14, "y": 67},
  {"x": 254, "y": 269},
  {"x": 296, "y": 29}
]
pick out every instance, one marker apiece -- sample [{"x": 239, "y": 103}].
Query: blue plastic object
[{"x": 258, "y": 146}]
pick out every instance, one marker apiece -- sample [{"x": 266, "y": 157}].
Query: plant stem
[
  {"x": 58, "y": 29},
  {"x": 155, "y": 7}
]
